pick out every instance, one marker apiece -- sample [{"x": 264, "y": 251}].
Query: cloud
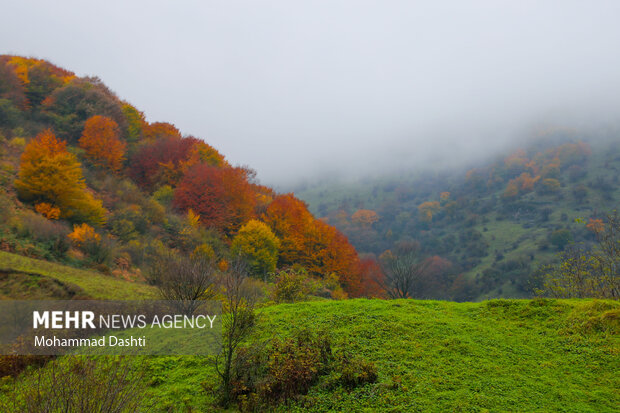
[{"x": 297, "y": 89}]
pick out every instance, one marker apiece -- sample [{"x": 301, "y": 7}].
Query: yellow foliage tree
[
  {"x": 258, "y": 244},
  {"x": 48, "y": 173}
]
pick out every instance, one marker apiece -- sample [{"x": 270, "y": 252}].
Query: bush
[
  {"x": 284, "y": 369},
  {"x": 50, "y": 234},
  {"x": 561, "y": 238},
  {"x": 292, "y": 286},
  {"x": 12, "y": 365},
  {"x": 354, "y": 371},
  {"x": 99, "y": 252},
  {"x": 78, "y": 384}
]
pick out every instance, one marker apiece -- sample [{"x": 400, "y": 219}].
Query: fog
[{"x": 298, "y": 89}]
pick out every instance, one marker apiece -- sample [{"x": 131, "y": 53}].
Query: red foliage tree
[
  {"x": 161, "y": 161},
  {"x": 372, "y": 278},
  {"x": 222, "y": 197}
]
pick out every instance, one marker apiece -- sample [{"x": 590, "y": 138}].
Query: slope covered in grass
[
  {"x": 90, "y": 284},
  {"x": 504, "y": 355}
]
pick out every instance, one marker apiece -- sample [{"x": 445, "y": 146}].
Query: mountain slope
[{"x": 493, "y": 225}]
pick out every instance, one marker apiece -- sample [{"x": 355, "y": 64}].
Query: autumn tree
[
  {"x": 69, "y": 106},
  {"x": 50, "y": 174},
  {"x": 160, "y": 130},
  {"x": 291, "y": 221},
  {"x": 372, "y": 278},
  {"x": 37, "y": 77},
  {"x": 11, "y": 87},
  {"x": 428, "y": 209},
  {"x": 523, "y": 184},
  {"x": 258, "y": 245},
  {"x": 549, "y": 186},
  {"x": 202, "y": 152},
  {"x": 365, "y": 217},
  {"x": 320, "y": 248},
  {"x": 135, "y": 122},
  {"x": 100, "y": 140},
  {"x": 160, "y": 162},
  {"x": 222, "y": 197}
]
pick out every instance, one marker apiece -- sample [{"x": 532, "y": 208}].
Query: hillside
[
  {"x": 27, "y": 278},
  {"x": 488, "y": 229},
  {"x": 501, "y": 355},
  {"x": 87, "y": 181}
]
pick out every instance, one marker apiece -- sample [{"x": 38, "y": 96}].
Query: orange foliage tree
[
  {"x": 202, "y": 152},
  {"x": 160, "y": 130},
  {"x": 317, "y": 246},
  {"x": 50, "y": 174},
  {"x": 365, "y": 217},
  {"x": 100, "y": 140},
  {"x": 524, "y": 183},
  {"x": 428, "y": 209}
]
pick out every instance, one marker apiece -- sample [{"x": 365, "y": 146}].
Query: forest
[
  {"x": 86, "y": 181},
  {"x": 488, "y": 231}
]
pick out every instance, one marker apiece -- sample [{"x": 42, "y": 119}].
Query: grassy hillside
[
  {"x": 87, "y": 284},
  {"x": 502, "y": 355}
]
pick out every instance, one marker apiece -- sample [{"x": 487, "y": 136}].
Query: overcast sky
[{"x": 294, "y": 88}]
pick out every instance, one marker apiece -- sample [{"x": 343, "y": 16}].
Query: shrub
[
  {"x": 82, "y": 234},
  {"x": 561, "y": 238},
  {"x": 284, "y": 369},
  {"x": 354, "y": 371},
  {"x": 78, "y": 384},
  {"x": 12, "y": 365},
  {"x": 164, "y": 194},
  {"x": 47, "y": 210},
  {"x": 292, "y": 286},
  {"x": 18, "y": 142},
  {"x": 53, "y": 235},
  {"x": 99, "y": 252}
]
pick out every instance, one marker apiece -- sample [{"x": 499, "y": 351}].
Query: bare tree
[
  {"x": 238, "y": 321},
  {"x": 404, "y": 270},
  {"x": 183, "y": 279}
]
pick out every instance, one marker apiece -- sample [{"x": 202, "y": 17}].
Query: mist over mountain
[{"x": 300, "y": 90}]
